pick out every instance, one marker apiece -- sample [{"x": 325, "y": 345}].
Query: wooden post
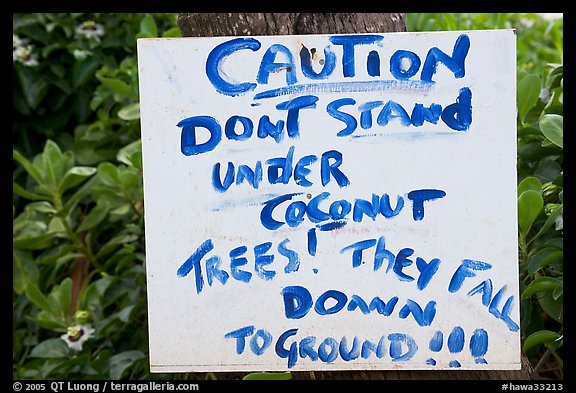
[{"x": 252, "y": 24}]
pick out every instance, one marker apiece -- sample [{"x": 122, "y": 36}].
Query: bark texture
[
  {"x": 251, "y": 24},
  {"x": 245, "y": 24}
]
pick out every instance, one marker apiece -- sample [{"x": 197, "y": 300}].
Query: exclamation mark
[
  {"x": 435, "y": 346},
  {"x": 312, "y": 241},
  {"x": 456, "y": 344}
]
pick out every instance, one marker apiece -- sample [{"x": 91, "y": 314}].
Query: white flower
[
  {"x": 18, "y": 47},
  {"x": 16, "y": 53},
  {"x": 90, "y": 29},
  {"x": 81, "y": 54},
  {"x": 77, "y": 335},
  {"x": 25, "y": 55},
  {"x": 16, "y": 41}
]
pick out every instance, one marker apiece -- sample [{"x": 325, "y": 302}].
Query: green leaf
[
  {"x": 24, "y": 270},
  {"x": 173, "y": 32},
  {"x": 130, "y": 112},
  {"x": 29, "y": 223},
  {"x": 143, "y": 35},
  {"x": 557, "y": 293},
  {"x": 530, "y": 204},
  {"x": 83, "y": 71},
  {"x": 525, "y": 132},
  {"x": 51, "y": 348},
  {"x": 41, "y": 207},
  {"x": 548, "y": 169},
  {"x": 449, "y": 22},
  {"x": 75, "y": 176},
  {"x": 79, "y": 361},
  {"x": 101, "y": 363},
  {"x": 122, "y": 361},
  {"x": 120, "y": 211},
  {"x": 128, "y": 178},
  {"x": 33, "y": 242},
  {"x": 532, "y": 151},
  {"x": 148, "y": 26},
  {"x": 108, "y": 173},
  {"x": 126, "y": 313},
  {"x": 98, "y": 98},
  {"x": 548, "y": 338},
  {"x": 552, "y": 127},
  {"x": 61, "y": 297},
  {"x": 268, "y": 376},
  {"x": 541, "y": 284},
  {"x": 529, "y": 183},
  {"x": 543, "y": 258},
  {"x": 131, "y": 154},
  {"x": 28, "y": 166},
  {"x": 55, "y": 253},
  {"x": 95, "y": 217},
  {"x": 551, "y": 220},
  {"x": 83, "y": 191},
  {"x": 49, "y": 321},
  {"x": 56, "y": 226},
  {"x": 33, "y": 86},
  {"x": 27, "y": 194},
  {"x": 53, "y": 163},
  {"x": 114, "y": 243},
  {"x": 37, "y": 297},
  {"x": 528, "y": 92},
  {"x": 553, "y": 307},
  {"x": 116, "y": 85},
  {"x": 58, "y": 70}
]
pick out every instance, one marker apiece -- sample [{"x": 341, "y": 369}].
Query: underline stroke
[{"x": 340, "y": 87}]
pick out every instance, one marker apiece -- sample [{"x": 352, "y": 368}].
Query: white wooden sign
[{"x": 331, "y": 202}]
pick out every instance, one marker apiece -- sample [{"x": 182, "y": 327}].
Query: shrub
[{"x": 78, "y": 250}]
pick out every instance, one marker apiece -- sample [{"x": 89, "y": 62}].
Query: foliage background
[{"x": 78, "y": 234}]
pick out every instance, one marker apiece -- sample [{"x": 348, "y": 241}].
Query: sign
[{"x": 331, "y": 202}]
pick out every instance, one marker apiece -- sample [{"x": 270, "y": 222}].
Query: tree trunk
[
  {"x": 216, "y": 24},
  {"x": 251, "y": 24}
]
